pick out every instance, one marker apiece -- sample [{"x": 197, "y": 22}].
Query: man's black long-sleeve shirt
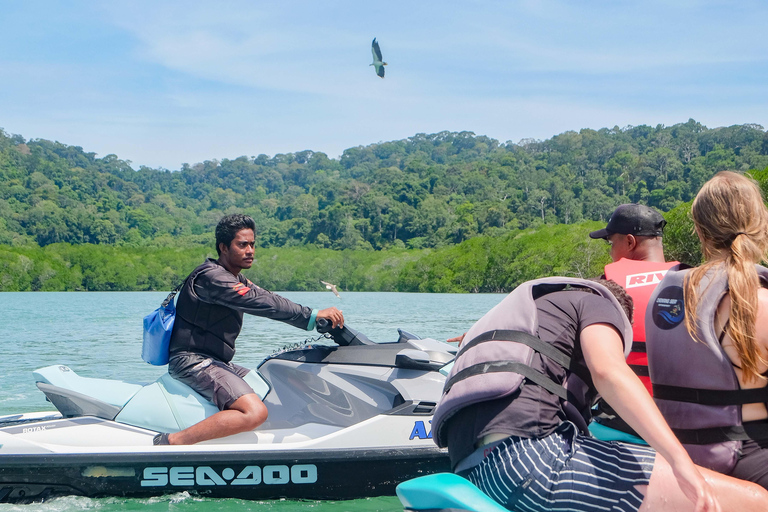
[{"x": 210, "y": 307}]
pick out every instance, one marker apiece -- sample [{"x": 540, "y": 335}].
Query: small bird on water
[
  {"x": 331, "y": 287},
  {"x": 377, "y": 63}
]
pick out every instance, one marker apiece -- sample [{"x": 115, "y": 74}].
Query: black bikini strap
[{"x": 723, "y": 333}]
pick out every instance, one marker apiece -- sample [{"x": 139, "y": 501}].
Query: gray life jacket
[
  {"x": 694, "y": 383},
  {"x": 496, "y": 355}
]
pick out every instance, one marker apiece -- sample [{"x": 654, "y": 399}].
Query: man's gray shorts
[{"x": 218, "y": 382}]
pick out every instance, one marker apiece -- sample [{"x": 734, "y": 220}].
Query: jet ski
[{"x": 348, "y": 418}]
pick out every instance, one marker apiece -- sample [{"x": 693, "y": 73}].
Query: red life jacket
[{"x": 639, "y": 278}]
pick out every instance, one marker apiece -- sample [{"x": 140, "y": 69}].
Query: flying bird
[
  {"x": 331, "y": 287},
  {"x": 377, "y": 62}
]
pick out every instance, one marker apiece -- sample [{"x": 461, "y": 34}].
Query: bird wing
[
  {"x": 376, "y": 52},
  {"x": 331, "y": 287},
  {"x": 380, "y": 70}
]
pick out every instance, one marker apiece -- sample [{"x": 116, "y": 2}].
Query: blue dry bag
[{"x": 158, "y": 326}]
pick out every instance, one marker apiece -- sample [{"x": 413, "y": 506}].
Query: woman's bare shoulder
[
  {"x": 762, "y": 317},
  {"x": 762, "y": 298}
]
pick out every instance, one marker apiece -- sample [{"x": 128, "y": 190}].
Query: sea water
[{"x": 98, "y": 334}]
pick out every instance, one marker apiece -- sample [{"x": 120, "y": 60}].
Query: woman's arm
[
  {"x": 761, "y": 327},
  {"x": 620, "y": 387}
]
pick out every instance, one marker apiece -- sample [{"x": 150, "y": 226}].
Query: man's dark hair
[
  {"x": 228, "y": 227},
  {"x": 625, "y": 300}
]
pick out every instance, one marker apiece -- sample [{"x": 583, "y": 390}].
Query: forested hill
[{"x": 425, "y": 191}]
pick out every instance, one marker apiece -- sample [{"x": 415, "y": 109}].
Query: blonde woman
[{"x": 707, "y": 334}]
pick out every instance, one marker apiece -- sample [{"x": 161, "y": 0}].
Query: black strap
[
  {"x": 511, "y": 367},
  {"x": 713, "y": 435},
  {"x": 536, "y": 344},
  {"x": 724, "y": 331},
  {"x": 171, "y": 295},
  {"x": 640, "y": 370},
  {"x": 526, "y": 339},
  {"x": 710, "y": 396},
  {"x": 638, "y": 346}
]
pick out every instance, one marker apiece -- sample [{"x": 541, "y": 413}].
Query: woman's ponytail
[{"x": 732, "y": 223}]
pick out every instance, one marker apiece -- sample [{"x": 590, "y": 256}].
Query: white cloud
[{"x": 162, "y": 83}]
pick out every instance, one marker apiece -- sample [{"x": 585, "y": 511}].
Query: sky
[{"x": 162, "y": 83}]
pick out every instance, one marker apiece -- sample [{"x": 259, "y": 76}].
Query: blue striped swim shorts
[{"x": 565, "y": 471}]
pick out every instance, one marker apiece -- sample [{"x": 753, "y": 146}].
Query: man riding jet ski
[
  {"x": 348, "y": 419},
  {"x": 209, "y": 317}
]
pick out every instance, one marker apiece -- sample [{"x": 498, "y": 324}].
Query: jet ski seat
[
  {"x": 165, "y": 405},
  {"x": 74, "y": 395},
  {"x": 605, "y": 433},
  {"x": 168, "y": 405},
  {"x": 444, "y": 492}
]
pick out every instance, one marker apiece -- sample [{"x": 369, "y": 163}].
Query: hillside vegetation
[
  {"x": 482, "y": 264},
  {"x": 439, "y": 212},
  {"x": 425, "y": 191}
]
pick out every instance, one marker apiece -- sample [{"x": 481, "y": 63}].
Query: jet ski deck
[
  {"x": 344, "y": 422},
  {"x": 335, "y": 466}
]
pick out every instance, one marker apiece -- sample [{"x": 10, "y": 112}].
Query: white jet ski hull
[
  {"x": 345, "y": 422},
  {"x": 34, "y": 466}
]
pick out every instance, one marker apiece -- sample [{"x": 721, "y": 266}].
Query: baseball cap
[{"x": 633, "y": 219}]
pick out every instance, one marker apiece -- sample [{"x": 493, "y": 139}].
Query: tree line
[
  {"x": 490, "y": 264},
  {"x": 449, "y": 212},
  {"x": 427, "y": 191},
  {"x": 481, "y": 264}
]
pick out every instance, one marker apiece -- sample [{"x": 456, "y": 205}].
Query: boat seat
[
  {"x": 604, "y": 433},
  {"x": 168, "y": 405},
  {"x": 165, "y": 405},
  {"x": 444, "y": 491},
  {"x": 113, "y": 392}
]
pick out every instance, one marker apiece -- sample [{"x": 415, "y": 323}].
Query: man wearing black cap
[{"x": 634, "y": 232}]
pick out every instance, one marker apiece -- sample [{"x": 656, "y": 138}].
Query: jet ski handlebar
[{"x": 343, "y": 336}]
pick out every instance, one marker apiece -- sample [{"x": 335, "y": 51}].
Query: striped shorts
[{"x": 565, "y": 471}]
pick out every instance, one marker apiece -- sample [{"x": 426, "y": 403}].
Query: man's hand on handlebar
[{"x": 333, "y": 315}]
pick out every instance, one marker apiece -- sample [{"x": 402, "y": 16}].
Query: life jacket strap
[
  {"x": 510, "y": 367},
  {"x": 537, "y": 345},
  {"x": 171, "y": 295},
  {"x": 710, "y": 396},
  {"x": 714, "y": 435}
]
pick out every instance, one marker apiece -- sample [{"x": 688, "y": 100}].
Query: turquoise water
[{"x": 98, "y": 334}]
